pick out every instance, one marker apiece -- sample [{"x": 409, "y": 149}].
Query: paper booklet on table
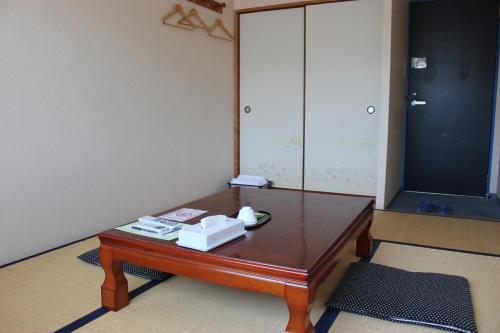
[{"x": 183, "y": 214}]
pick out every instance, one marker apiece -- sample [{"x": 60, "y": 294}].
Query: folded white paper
[{"x": 249, "y": 180}]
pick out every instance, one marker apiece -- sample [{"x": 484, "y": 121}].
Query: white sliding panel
[
  {"x": 343, "y": 78},
  {"x": 272, "y": 95}
]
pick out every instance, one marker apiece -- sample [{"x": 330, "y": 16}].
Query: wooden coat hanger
[
  {"x": 219, "y": 24},
  {"x": 179, "y": 10},
  {"x": 194, "y": 13}
]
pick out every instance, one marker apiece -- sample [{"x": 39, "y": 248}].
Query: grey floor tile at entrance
[{"x": 460, "y": 206}]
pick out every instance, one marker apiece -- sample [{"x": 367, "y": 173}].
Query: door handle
[{"x": 415, "y": 103}]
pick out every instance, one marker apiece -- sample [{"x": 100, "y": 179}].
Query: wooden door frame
[{"x": 236, "y": 71}]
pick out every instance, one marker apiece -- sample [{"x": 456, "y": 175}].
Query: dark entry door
[{"x": 448, "y": 137}]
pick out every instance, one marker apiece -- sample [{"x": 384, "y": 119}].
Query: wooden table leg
[
  {"x": 364, "y": 243},
  {"x": 299, "y": 300},
  {"x": 114, "y": 290}
]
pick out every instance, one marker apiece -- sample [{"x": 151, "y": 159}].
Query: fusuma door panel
[
  {"x": 271, "y": 95},
  {"x": 343, "y": 79}
]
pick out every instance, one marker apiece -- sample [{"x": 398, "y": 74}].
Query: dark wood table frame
[{"x": 297, "y": 285}]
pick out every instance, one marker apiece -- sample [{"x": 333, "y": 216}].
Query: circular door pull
[
  {"x": 247, "y": 109},
  {"x": 370, "y": 109}
]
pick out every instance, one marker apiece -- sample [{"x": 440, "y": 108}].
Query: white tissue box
[{"x": 195, "y": 237}]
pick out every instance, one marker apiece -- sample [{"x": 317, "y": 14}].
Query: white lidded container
[{"x": 211, "y": 232}]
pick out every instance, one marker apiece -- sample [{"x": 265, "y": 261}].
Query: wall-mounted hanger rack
[
  {"x": 187, "y": 23},
  {"x": 211, "y": 4},
  {"x": 193, "y": 13},
  {"x": 219, "y": 24}
]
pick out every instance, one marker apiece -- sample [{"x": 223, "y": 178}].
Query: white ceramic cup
[{"x": 247, "y": 215}]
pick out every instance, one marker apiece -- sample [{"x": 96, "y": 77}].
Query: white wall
[
  {"x": 106, "y": 115},
  {"x": 393, "y": 130}
]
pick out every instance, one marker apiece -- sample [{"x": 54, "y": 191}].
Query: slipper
[
  {"x": 444, "y": 209},
  {"x": 425, "y": 207}
]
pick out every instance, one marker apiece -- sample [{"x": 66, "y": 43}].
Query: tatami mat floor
[
  {"x": 44, "y": 293},
  {"x": 47, "y": 292},
  {"x": 448, "y": 232}
]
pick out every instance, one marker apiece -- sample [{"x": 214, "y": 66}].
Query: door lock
[{"x": 415, "y": 103}]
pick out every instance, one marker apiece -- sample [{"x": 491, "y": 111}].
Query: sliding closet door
[
  {"x": 271, "y": 95},
  {"x": 343, "y": 94}
]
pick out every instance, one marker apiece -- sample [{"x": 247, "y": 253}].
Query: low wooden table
[{"x": 288, "y": 257}]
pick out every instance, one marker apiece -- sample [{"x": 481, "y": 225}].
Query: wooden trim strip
[
  {"x": 304, "y": 103},
  {"x": 236, "y": 98},
  {"x": 285, "y": 6},
  {"x": 332, "y": 193}
]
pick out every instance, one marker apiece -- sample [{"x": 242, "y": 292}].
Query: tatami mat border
[
  {"x": 102, "y": 311},
  {"x": 440, "y": 248},
  {"x": 330, "y": 315},
  {"x": 482, "y": 219},
  {"x": 323, "y": 325}
]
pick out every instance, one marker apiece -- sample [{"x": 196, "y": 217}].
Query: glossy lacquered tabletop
[{"x": 303, "y": 227}]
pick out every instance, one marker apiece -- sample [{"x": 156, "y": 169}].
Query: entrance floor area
[{"x": 459, "y": 206}]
